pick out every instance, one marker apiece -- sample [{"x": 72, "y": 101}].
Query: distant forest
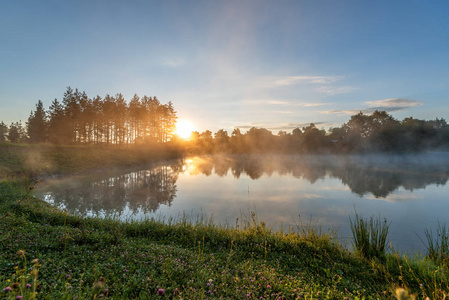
[
  {"x": 378, "y": 132},
  {"x": 80, "y": 120}
]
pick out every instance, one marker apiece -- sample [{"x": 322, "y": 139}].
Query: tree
[
  {"x": 314, "y": 140},
  {"x": 16, "y": 133},
  {"x": 260, "y": 140},
  {"x": 221, "y": 141},
  {"x": 3, "y": 132},
  {"x": 237, "y": 141},
  {"x": 37, "y": 124},
  {"x": 56, "y": 123}
]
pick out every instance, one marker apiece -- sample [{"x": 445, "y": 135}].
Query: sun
[{"x": 184, "y": 129}]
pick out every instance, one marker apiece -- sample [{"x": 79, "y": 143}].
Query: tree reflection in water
[
  {"x": 379, "y": 175},
  {"x": 145, "y": 190},
  {"x": 126, "y": 194}
]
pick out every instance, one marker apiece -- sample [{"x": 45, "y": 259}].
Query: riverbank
[
  {"x": 57, "y": 255},
  {"x": 45, "y": 160}
]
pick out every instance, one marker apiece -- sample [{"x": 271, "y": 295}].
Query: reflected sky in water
[{"x": 409, "y": 191}]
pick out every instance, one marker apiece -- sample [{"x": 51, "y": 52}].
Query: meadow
[{"x": 49, "y": 254}]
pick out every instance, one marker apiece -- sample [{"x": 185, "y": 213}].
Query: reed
[
  {"x": 370, "y": 236},
  {"x": 438, "y": 246}
]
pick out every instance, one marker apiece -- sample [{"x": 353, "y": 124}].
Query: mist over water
[{"x": 284, "y": 191}]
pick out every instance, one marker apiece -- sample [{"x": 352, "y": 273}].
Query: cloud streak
[
  {"x": 284, "y": 127},
  {"x": 388, "y": 105},
  {"x": 321, "y": 84},
  {"x": 283, "y": 103},
  {"x": 292, "y": 80},
  {"x": 335, "y": 90}
]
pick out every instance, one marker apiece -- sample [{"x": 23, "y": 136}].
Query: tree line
[
  {"x": 112, "y": 120},
  {"x": 81, "y": 120},
  {"x": 378, "y": 132}
]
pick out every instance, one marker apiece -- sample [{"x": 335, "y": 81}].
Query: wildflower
[
  {"x": 161, "y": 292},
  {"x": 34, "y": 272},
  {"x": 19, "y": 297},
  {"x": 20, "y": 253},
  {"x": 67, "y": 275},
  {"x": 7, "y": 289},
  {"x": 28, "y": 285},
  {"x": 268, "y": 286},
  {"x": 99, "y": 285}
]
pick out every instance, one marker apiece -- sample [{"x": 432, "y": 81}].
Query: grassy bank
[
  {"x": 50, "y": 160},
  {"x": 47, "y": 253}
]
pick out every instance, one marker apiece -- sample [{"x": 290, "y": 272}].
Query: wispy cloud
[
  {"x": 283, "y": 102},
  {"x": 314, "y": 104},
  {"x": 268, "y": 102},
  {"x": 291, "y": 80},
  {"x": 173, "y": 62},
  {"x": 321, "y": 84},
  {"x": 394, "y": 103},
  {"x": 335, "y": 90},
  {"x": 388, "y": 105},
  {"x": 285, "y": 126}
]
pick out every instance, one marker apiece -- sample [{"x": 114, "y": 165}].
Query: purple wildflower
[
  {"x": 28, "y": 285},
  {"x": 161, "y": 292},
  {"x": 7, "y": 289},
  {"x": 19, "y": 297}
]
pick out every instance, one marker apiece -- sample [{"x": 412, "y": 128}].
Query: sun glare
[{"x": 184, "y": 129}]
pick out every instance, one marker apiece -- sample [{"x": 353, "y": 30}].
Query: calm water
[{"x": 410, "y": 191}]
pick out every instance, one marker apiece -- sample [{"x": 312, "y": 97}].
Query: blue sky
[{"x": 225, "y": 64}]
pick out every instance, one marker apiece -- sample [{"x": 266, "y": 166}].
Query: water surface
[{"x": 410, "y": 191}]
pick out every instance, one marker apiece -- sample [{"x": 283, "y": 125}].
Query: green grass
[
  {"x": 438, "y": 246},
  {"x": 18, "y": 161},
  {"x": 370, "y": 236}
]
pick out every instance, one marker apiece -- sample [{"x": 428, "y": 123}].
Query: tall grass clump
[
  {"x": 370, "y": 236},
  {"x": 438, "y": 247}
]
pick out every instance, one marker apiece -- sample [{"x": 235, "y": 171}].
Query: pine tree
[
  {"x": 56, "y": 123},
  {"x": 37, "y": 125},
  {"x": 3, "y": 132}
]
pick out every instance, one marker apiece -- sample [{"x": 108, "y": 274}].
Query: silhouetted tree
[
  {"x": 16, "y": 133},
  {"x": 3, "y": 132},
  {"x": 221, "y": 141},
  {"x": 37, "y": 124}
]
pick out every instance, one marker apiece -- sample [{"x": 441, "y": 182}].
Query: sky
[{"x": 231, "y": 64}]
